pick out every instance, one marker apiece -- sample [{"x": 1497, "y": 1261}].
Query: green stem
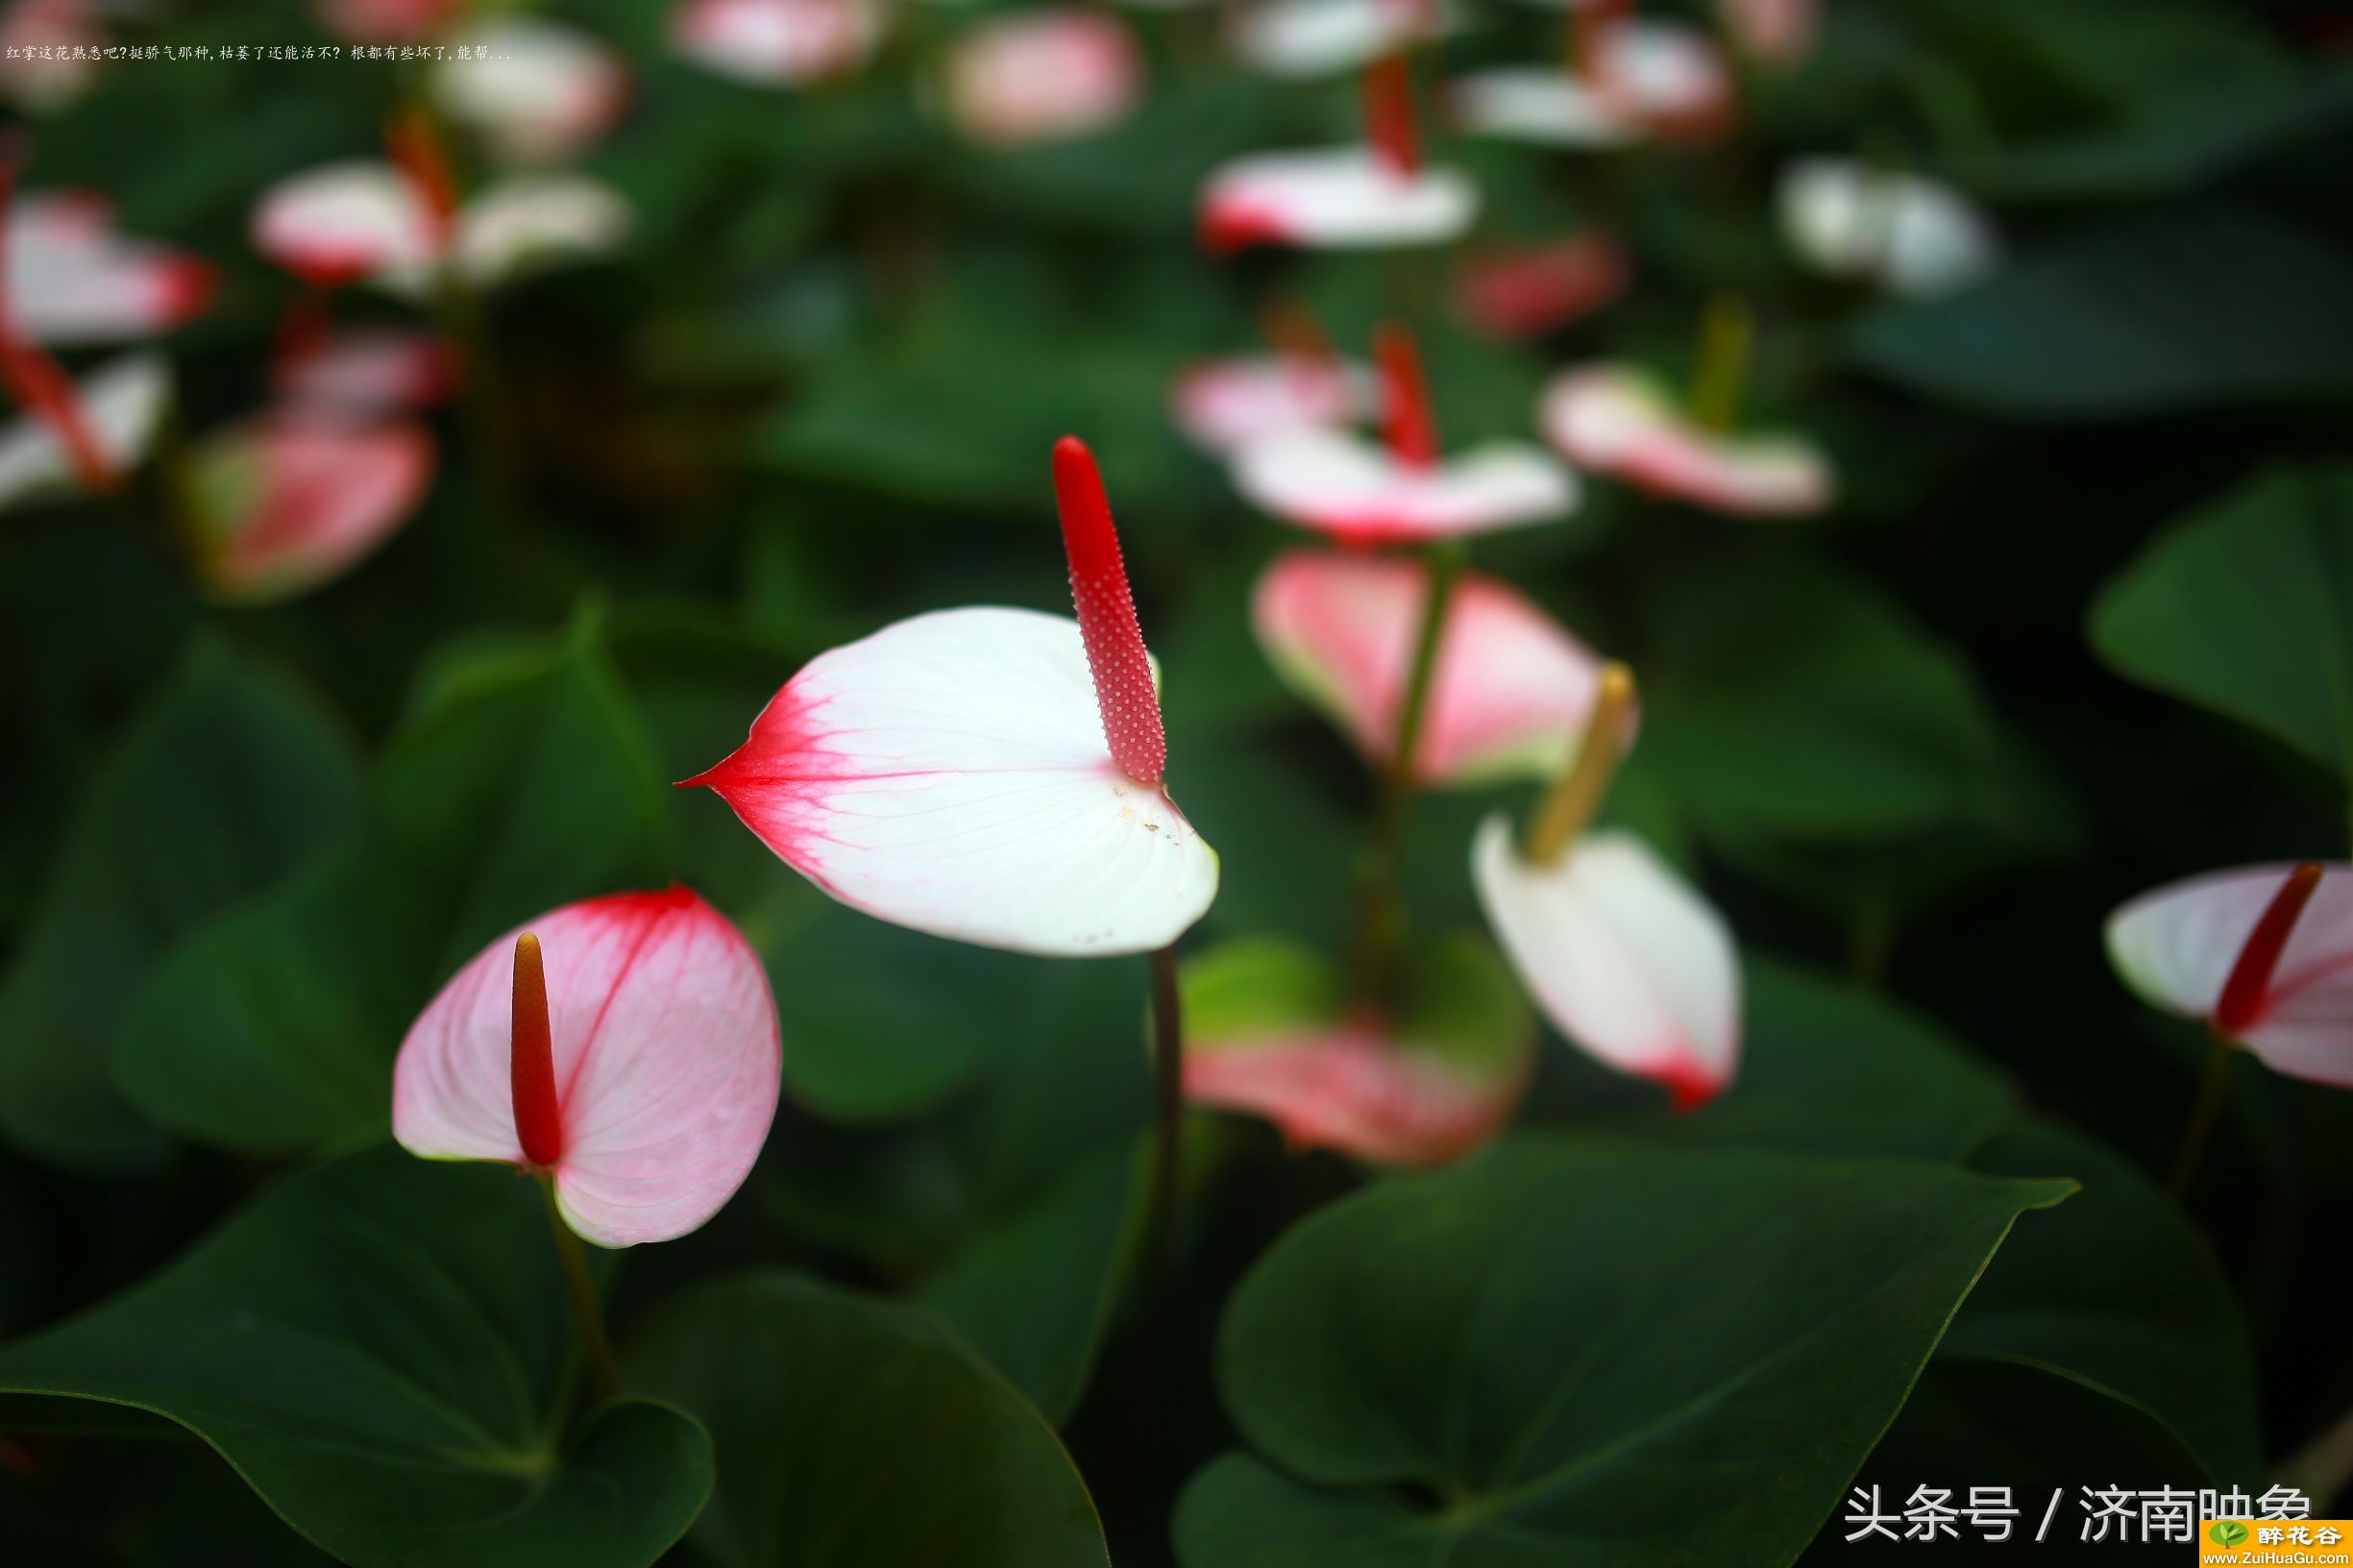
[
  {"x": 1380, "y": 915},
  {"x": 1728, "y": 334},
  {"x": 595, "y": 1346},
  {"x": 1167, "y": 1109},
  {"x": 2204, "y": 1113},
  {"x": 482, "y": 401}
]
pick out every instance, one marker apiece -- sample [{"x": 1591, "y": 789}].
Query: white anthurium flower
[
  {"x": 73, "y": 280},
  {"x": 535, "y": 91},
  {"x": 997, "y": 776},
  {"x": 1641, "y": 79},
  {"x": 1621, "y": 954},
  {"x": 1618, "y": 420},
  {"x": 2263, "y": 954},
  {"x": 1905, "y": 233},
  {"x": 1303, "y": 39},
  {"x": 120, "y": 406},
  {"x": 1047, "y": 74},
  {"x": 1624, "y": 956},
  {"x": 1222, "y": 403},
  {"x": 369, "y": 221},
  {"x": 1338, "y": 198},
  {"x": 1359, "y": 491},
  {"x": 777, "y": 42}
]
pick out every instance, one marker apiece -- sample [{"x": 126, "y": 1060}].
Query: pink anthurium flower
[
  {"x": 2263, "y": 954},
  {"x": 1617, "y": 420},
  {"x": 1220, "y": 404},
  {"x": 1423, "y": 1085},
  {"x": 362, "y": 220},
  {"x": 1045, "y": 74},
  {"x": 1905, "y": 232},
  {"x": 1528, "y": 292},
  {"x": 296, "y": 498},
  {"x": 1624, "y": 956},
  {"x": 72, "y": 279},
  {"x": 1378, "y": 196},
  {"x": 1307, "y": 39},
  {"x": 361, "y": 373},
  {"x": 625, "y": 1047},
  {"x": 1365, "y": 492},
  {"x": 536, "y": 92},
  {"x": 1635, "y": 80},
  {"x": 1510, "y": 693},
  {"x": 777, "y": 42},
  {"x": 50, "y": 51},
  {"x": 387, "y": 21},
  {"x": 997, "y": 776},
  {"x": 1772, "y": 32}
]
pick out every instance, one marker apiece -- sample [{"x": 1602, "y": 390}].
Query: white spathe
[
  {"x": 122, "y": 401},
  {"x": 1345, "y": 485},
  {"x": 950, "y": 774},
  {"x": 2176, "y": 947},
  {"x": 1223, "y": 403},
  {"x": 1301, "y": 40},
  {"x": 1910, "y": 234},
  {"x": 1337, "y": 198},
  {"x": 1619, "y": 420},
  {"x": 1621, "y": 954}
]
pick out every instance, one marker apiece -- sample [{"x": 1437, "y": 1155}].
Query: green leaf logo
[{"x": 2227, "y": 1532}]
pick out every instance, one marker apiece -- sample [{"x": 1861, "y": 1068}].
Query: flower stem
[
  {"x": 2204, "y": 1113},
  {"x": 1379, "y": 916},
  {"x": 1168, "y": 1107},
  {"x": 595, "y": 1346}
]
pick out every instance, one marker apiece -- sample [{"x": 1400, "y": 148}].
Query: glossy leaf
[
  {"x": 224, "y": 782},
  {"x": 381, "y": 1347},
  {"x": 2246, "y": 607},
  {"x": 1589, "y": 1327},
  {"x": 853, "y": 1431}
]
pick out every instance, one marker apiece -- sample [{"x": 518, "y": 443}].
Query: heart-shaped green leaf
[
  {"x": 1545, "y": 1354},
  {"x": 383, "y": 1350},
  {"x": 522, "y": 784},
  {"x": 852, "y": 1431},
  {"x": 2246, "y": 607},
  {"x": 225, "y": 782}
]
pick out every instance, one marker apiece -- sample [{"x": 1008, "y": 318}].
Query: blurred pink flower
[
  {"x": 360, "y": 373},
  {"x": 1617, "y": 420},
  {"x": 656, "y": 1082},
  {"x": 73, "y": 280},
  {"x": 294, "y": 499},
  {"x": 1530, "y": 291},
  {"x": 363, "y": 220},
  {"x": 39, "y": 82},
  {"x": 1635, "y": 80},
  {"x": 1307, "y": 39},
  {"x": 2263, "y": 954},
  {"x": 535, "y": 91},
  {"x": 81, "y": 434},
  {"x": 777, "y": 42},
  {"x": 387, "y": 21},
  {"x": 1043, "y": 74},
  {"x": 1222, "y": 403},
  {"x": 997, "y": 776},
  {"x": 1772, "y": 32},
  {"x": 1510, "y": 693}
]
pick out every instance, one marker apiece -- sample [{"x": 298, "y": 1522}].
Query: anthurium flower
[
  {"x": 49, "y": 52},
  {"x": 1623, "y": 955},
  {"x": 1772, "y": 32},
  {"x": 1635, "y": 80},
  {"x": 777, "y": 42},
  {"x": 1274, "y": 1036},
  {"x": 535, "y": 91},
  {"x": 2263, "y": 954},
  {"x": 1512, "y": 690},
  {"x": 84, "y": 434},
  {"x": 1905, "y": 233},
  {"x": 1528, "y": 291},
  {"x": 1043, "y": 74},
  {"x": 1618, "y": 420},
  {"x": 1378, "y": 196},
  {"x": 994, "y": 775},
  {"x": 1365, "y": 492},
  {"x": 1222, "y": 403},
  {"x": 72, "y": 279},
  {"x": 387, "y": 21},
  {"x": 359, "y": 373},
  {"x": 294, "y": 499},
  {"x": 360, "y": 220},
  {"x": 1307, "y": 39},
  {"x": 625, "y": 1045}
]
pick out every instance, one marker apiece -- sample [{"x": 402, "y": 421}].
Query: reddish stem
[
  {"x": 416, "y": 150},
  {"x": 2242, "y": 997},
  {"x": 539, "y": 1123},
  {"x": 1411, "y": 427},
  {"x": 1390, "y": 121},
  {"x": 1106, "y": 616}
]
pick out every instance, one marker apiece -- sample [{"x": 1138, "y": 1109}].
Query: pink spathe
[
  {"x": 1352, "y": 1087},
  {"x": 666, "y": 1062}
]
